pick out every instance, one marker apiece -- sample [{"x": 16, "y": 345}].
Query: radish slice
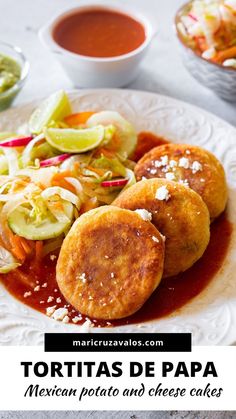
[
  {"x": 113, "y": 183},
  {"x": 54, "y": 161},
  {"x": 193, "y": 17},
  {"x": 16, "y": 142}
]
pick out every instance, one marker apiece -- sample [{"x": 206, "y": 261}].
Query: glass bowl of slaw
[{"x": 206, "y": 30}]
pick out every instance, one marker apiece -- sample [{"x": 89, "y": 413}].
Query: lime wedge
[
  {"x": 74, "y": 140},
  {"x": 54, "y": 108}
]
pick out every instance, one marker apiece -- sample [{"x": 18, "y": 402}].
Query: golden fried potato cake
[
  {"x": 191, "y": 165},
  {"x": 110, "y": 263},
  {"x": 178, "y": 213}
]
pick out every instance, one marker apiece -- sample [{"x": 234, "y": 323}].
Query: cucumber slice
[
  {"x": 126, "y": 132},
  {"x": 20, "y": 223},
  {"x": 54, "y": 108}
]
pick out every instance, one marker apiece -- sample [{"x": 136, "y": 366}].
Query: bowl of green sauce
[{"x": 14, "y": 69}]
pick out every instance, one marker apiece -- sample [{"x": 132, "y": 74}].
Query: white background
[{"x": 14, "y": 383}]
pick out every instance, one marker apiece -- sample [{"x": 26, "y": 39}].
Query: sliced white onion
[
  {"x": 63, "y": 193},
  {"x": 12, "y": 160},
  {"x": 77, "y": 185},
  {"x": 12, "y": 204},
  {"x": 132, "y": 179},
  {"x": 42, "y": 175},
  {"x": 26, "y": 155},
  {"x": 59, "y": 214},
  {"x": 69, "y": 163}
]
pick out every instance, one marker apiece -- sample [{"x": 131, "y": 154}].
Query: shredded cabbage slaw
[
  {"x": 43, "y": 189},
  {"x": 209, "y": 28}
]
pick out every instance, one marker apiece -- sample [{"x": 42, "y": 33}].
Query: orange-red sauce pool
[
  {"x": 172, "y": 293},
  {"x": 99, "y": 33}
]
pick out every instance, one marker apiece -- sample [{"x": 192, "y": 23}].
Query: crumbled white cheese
[
  {"x": 184, "y": 182},
  {"x": 41, "y": 302},
  {"x": 60, "y": 313},
  {"x": 184, "y": 162},
  {"x": 56, "y": 290},
  {"x": 50, "y": 310},
  {"x": 66, "y": 319},
  {"x": 188, "y": 152},
  {"x": 196, "y": 167},
  {"x": 164, "y": 160},
  {"x": 58, "y": 300},
  {"x": 50, "y": 299},
  {"x": 170, "y": 176},
  {"x": 106, "y": 257},
  {"x": 172, "y": 163},
  {"x": 45, "y": 285},
  {"x": 144, "y": 214},
  {"x": 82, "y": 277},
  {"x": 144, "y": 178},
  {"x": 27, "y": 294},
  {"x": 76, "y": 319},
  {"x": 162, "y": 194},
  {"x": 90, "y": 297},
  {"x": 153, "y": 171},
  {"x": 53, "y": 257},
  {"x": 112, "y": 275},
  {"x": 155, "y": 239},
  {"x": 202, "y": 180},
  {"x": 85, "y": 328},
  {"x": 37, "y": 288}
]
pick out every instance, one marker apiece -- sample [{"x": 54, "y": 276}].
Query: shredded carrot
[
  {"x": 19, "y": 253},
  {"x": 100, "y": 172},
  {"x": 78, "y": 118},
  {"x": 61, "y": 175},
  {"x": 40, "y": 185},
  {"x": 105, "y": 152},
  {"x": 18, "y": 185},
  {"x": 59, "y": 180},
  {"x": 38, "y": 251},
  {"x": 226, "y": 54},
  {"x": 17, "y": 249},
  {"x": 64, "y": 184},
  {"x": 27, "y": 245},
  {"x": 201, "y": 43}
]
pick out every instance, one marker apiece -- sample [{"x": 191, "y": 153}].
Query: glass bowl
[
  {"x": 7, "y": 97},
  {"x": 221, "y": 80}
]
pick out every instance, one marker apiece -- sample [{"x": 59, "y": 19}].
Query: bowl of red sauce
[{"x": 97, "y": 45}]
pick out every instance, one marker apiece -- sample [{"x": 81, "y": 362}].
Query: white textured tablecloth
[
  {"x": 117, "y": 415},
  {"x": 162, "y": 72}
]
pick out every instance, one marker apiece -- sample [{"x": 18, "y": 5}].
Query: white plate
[{"x": 211, "y": 316}]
